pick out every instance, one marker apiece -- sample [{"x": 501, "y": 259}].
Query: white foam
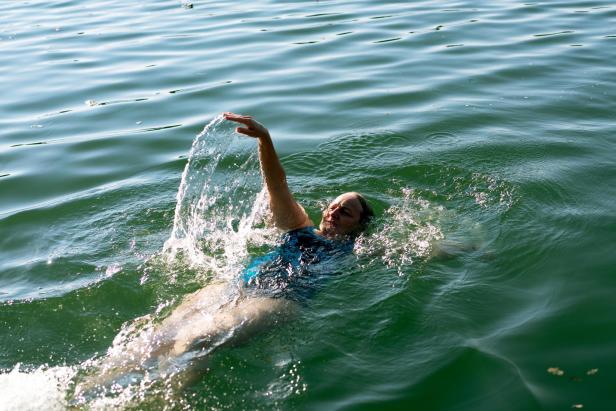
[
  {"x": 408, "y": 231},
  {"x": 40, "y": 389}
]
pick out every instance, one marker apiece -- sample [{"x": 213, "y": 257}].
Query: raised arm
[{"x": 287, "y": 213}]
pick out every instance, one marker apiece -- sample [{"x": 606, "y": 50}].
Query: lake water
[{"x": 483, "y": 132}]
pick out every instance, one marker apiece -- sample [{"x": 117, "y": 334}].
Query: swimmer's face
[{"x": 342, "y": 216}]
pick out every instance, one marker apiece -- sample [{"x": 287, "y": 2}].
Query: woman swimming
[
  {"x": 271, "y": 284},
  {"x": 289, "y": 270},
  {"x": 267, "y": 291}
]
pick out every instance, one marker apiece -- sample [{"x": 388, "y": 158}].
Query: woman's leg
[
  {"x": 230, "y": 324},
  {"x": 218, "y": 314}
]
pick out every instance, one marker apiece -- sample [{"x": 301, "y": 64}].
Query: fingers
[
  {"x": 246, "y": 120},
  {"x": 252, "y": 127}
]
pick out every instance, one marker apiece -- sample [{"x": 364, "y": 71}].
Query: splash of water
[
  {"x": 416, "y": 229},
  {"x": 42, "y": 388},
  {"x": 220, "y": 205},
  {"x": 219, "y": 201},
  {"x": 407, "y": 232}
]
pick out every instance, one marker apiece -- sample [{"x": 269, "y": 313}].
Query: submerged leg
[
  {"x": 231, "y": 324},
  {"x": 235, "y": 324},
  {"x": 216, "y": 315}
]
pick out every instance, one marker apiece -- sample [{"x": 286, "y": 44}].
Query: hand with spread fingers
[{"x": 252, "y": 128}]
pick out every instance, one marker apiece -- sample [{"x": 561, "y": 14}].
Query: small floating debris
[
  {"x": 187, "y": 4},
  {"x": 577, "y": 406},
  {"x": 592, "y": 371},
  {"x": 556, "y": 371},
  {"x": 440, "y": 26},
  {"x": 139, "y": 123},
  {"x": 91, "y": 103}
]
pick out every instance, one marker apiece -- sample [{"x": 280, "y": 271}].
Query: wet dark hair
[{"x": 367, "y": 213}]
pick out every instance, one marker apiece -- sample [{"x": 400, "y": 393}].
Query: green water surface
[{"x": 480, "y": 130}]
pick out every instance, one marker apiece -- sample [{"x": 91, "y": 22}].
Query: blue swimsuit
[{"x": 297, "y": 267}]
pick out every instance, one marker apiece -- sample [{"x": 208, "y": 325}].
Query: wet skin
[{"x": 341, "y": 217}]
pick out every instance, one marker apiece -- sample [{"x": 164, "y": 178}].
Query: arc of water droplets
[{"x": 217, "y": 208}]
